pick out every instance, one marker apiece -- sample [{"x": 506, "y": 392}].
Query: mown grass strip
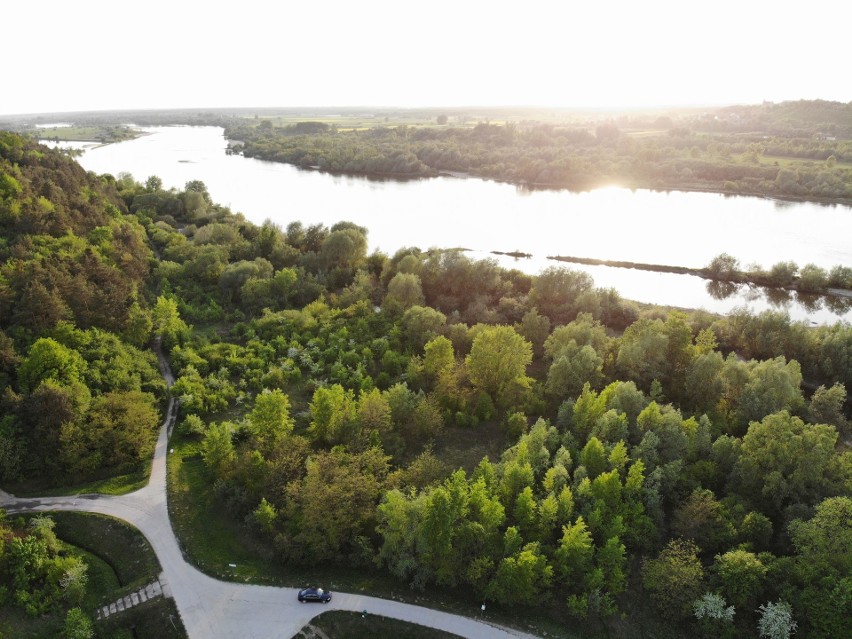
[{"x": 339, "y": 624}]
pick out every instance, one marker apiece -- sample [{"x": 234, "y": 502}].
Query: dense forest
[
  {"x": 636, "y": 455},
  {"x": 790, "y": 150}
]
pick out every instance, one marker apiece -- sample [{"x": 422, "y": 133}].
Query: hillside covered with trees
[{"x": 533, "y": 442}]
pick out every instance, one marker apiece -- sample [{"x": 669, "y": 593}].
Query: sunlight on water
[{"x": 672, "y": 228}]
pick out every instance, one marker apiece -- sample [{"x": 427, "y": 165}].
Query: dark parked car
[{"x": 314, "y": 594}]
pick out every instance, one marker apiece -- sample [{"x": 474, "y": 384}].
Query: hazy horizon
[{"x": 81, "y": 57}]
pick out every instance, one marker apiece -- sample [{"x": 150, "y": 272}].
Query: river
[{"x": 673, "y": 228}]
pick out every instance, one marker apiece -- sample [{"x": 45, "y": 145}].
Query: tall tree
[{"x": 497, "y": 364}]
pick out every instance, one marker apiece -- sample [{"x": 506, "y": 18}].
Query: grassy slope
[{"x": 352, "y": 625}]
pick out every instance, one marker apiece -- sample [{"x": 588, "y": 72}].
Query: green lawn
[
  {"x": 352, "y": 625},
  {"x": 118, "y": 543},
  {"x": 120, "y": 485}
]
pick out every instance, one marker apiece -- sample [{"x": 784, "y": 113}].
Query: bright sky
[{"x": 63, "y": 55}]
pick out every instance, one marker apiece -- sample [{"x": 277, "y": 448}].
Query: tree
[
  {"x": 573, "y": 556},
  {"x": 724, "y": 267},
  {"x": 438, "y": 356},
  {"x": 48, "y": 359},
  {"x": 77, "y": 625},
  {"x": 583, "y": 331},
  {"x": 497, "y": 364},
  {"x": 714, "y": 615},
  {"x": 405, "y": 291},
  {"x": 153, "y": 183},
  {"x": 824, "y": 543},
  {"x": 702, "y": 518},
  {"x": 569, "y": 373},
  {"x": 119, "y": 433},
  {"x": 535, "y": 328},
  {"x": 168, "y": 323},
  {"x": 344, "y": 248},
  {"x": 333, "y": 412},
  {"x": 826, "y": 407},
  {"x": 703, "y": 385},
  {"x": 422, "y": 324},
  {"x": 74, "y": 580},
  {"x": 441, "y": 535},
  {"x": 521, "y": 578},
  {"x": 593, "y": 457},
  {"x": 783, "y": 273},
  {"x": 399, "y": 517},
  {"x": 674, "y": 579},
  {"x": 139, "y": 324},
  {"x": 196, "y": 186},
  {"x": 374, "y": 412},
  {"x": 742, "y": 575},
  {"x": 776, "y": 620},
  {"x": 217, "y": 449},
  {"x": 823, "y": 567},
  {"x": 442, "y": 119},
  {"x": 784, "y": 461},
  {"x": 812, "y": 278},
  {"x": 334, "y": 504},
  {"x": 270, "y": 418},
  {"x": 642, "y": 353},
  {"x": 557, "y": 293},
  {"x": 773, "y": 385}
]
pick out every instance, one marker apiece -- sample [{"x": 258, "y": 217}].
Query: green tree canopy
[
  {"x": 784, "y": 461},
  {"x": 497, "y": 364}
]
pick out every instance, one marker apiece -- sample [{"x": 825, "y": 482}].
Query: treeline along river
[{"x": 672, "y": 228}]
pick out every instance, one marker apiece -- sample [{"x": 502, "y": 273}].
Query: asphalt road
[{"x": 213, "y": 609}]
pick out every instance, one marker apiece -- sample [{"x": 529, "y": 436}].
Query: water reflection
[
  {"x": 779, "y": 298},
  {"x": 809, "y": 301},
  {"x": 722, "y": 290},
  {"x": 838, "y": 305}
]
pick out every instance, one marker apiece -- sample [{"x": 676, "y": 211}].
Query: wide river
[{"x": 674, "y": 228}]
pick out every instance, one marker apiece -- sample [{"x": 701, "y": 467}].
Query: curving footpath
[{"x": 212, "y": 609}]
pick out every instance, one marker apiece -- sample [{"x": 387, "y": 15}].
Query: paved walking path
[{"x": 213, "y": 609}]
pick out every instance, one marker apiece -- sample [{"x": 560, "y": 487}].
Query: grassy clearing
[
  {"x": 465, "y": 447},
  {"x": 87, "y": 133},
  {"x": 123, "y": 546},
  {"x": 15, "y": 623},
  {"x": 154, "y": 619},
  {"x": 351, "y": 625},
  {"x": 120, "y": 485},
  {"x": 208, "y": 535}
]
